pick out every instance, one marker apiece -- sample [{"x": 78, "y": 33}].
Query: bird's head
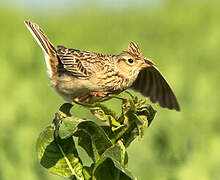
[{"x": 131, "y": 61}]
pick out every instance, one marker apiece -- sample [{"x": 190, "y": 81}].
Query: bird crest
[{"x": 134, "y": 49}]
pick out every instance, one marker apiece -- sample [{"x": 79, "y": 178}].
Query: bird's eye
[{"x": 130, "y": 61}]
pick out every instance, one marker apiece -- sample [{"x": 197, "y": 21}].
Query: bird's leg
[
  {"x": 103, "y": 95},
  {"x": 93, "y": 110},
  {"x": 82, "y": 103},
  {"x": 87, "y": 100},
  {"x": 82, "y": 98},
  {"x": 99, "y": 94}
]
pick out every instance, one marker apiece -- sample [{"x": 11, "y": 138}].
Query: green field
[{"x": 182, "y": 37}]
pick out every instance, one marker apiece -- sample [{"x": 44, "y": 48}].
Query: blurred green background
[{"x": 182, "y": 37}]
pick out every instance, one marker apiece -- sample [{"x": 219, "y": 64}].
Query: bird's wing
[
  {"x": 151, "y": 83},
  {"x": 74, "y": 61}
]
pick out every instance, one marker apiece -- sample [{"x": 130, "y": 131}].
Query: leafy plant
[{"x": 59, "y": 142}]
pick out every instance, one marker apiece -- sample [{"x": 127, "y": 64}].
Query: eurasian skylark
[{"x": 91, "y": 76}]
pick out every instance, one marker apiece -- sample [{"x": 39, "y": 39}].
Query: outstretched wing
[
  {"x": 151, "y": 83},
  {"x": 73, "y": 62}
]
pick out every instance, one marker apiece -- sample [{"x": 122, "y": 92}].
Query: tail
[{"x": 50, "y": 52}]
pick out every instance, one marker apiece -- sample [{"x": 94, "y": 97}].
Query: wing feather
[
  {"x": 73, "y": 62},
  {"x": 151, "y": 83}
]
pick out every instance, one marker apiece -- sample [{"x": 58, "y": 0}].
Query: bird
[{"x": 92, "y": 77}]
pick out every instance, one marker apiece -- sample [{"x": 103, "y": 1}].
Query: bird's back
[
  {"x": 82, "y": 64},
  {"x": 98, "y": 68}
]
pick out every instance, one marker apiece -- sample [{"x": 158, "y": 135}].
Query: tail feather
[{"x": 50, "y": 52}]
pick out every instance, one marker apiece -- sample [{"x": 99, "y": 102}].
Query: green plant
[{"x": 58, "y": 143}]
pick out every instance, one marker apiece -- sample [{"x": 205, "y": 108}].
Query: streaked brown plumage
[{"x": 93, "y": 76}]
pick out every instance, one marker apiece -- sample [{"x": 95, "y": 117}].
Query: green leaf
[
  {"x": 87, "y": 172},
  {"x": 65, "y": 109},
  {"x": 105, "y": 145},
  {"x": 59, "y": 157},
  {"x": 106, "y": 111},
  {"x": 93, "y": 139},
  {"x": 110, "y": 165},
  {"x": 68, "y": 126},
  {"x": 86, "y": 143},
  {"x": 102, "y": 112}
]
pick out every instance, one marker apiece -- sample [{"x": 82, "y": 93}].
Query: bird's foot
[{"x": 98, "y": 94}]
